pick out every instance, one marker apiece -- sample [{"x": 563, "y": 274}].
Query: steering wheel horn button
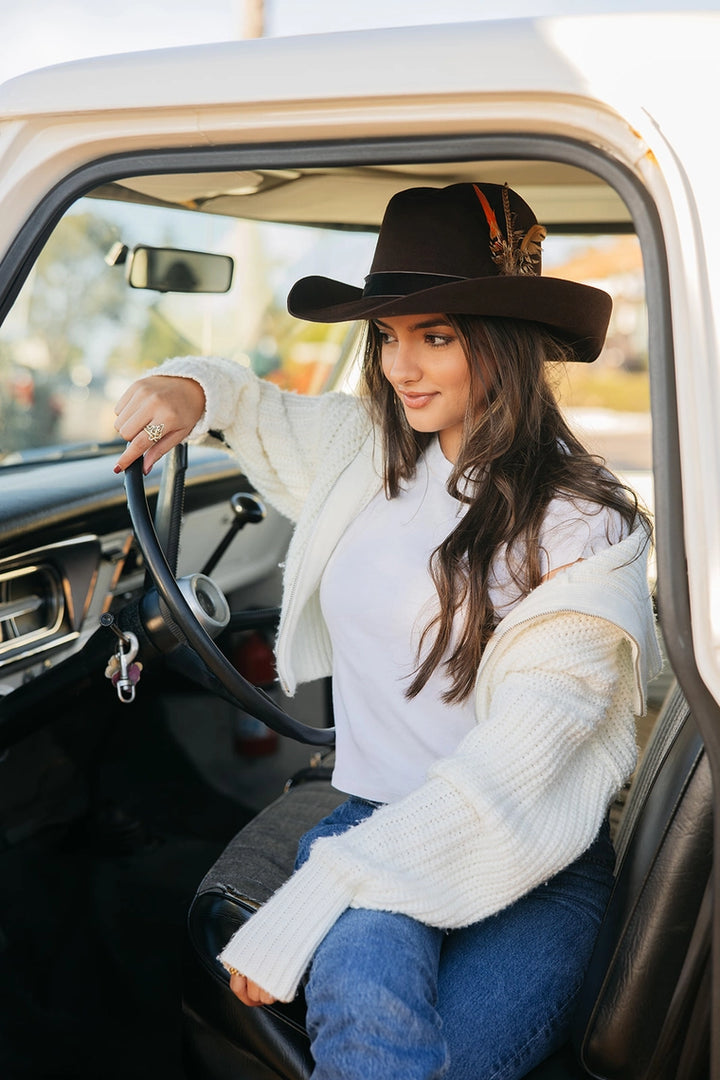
[{"x": 206, "y": 601}]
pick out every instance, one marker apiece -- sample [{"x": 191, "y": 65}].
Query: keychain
[{"x": 122, "y": 671}]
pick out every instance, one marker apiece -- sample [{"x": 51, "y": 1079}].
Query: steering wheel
[{"x": 248, "y": 697}]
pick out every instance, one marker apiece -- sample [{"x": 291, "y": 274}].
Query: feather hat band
[{"x": 467, "y": 249}]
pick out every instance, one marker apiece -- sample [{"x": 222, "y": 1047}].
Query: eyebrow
[{"x": 427, "y": 324}]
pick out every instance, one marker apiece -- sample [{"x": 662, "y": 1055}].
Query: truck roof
[{"x": 569, "y": 55}]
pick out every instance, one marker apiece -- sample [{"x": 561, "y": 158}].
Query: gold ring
[{"x": 154, "y": 432}]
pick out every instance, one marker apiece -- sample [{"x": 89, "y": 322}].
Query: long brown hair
[{"x": 517, "y": 453}]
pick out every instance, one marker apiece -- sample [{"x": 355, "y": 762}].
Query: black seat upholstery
[
  {"x": 629, "y": 1009},
  {"x": 222, "y": 1038},
  {"x": 643, "y": 990}
]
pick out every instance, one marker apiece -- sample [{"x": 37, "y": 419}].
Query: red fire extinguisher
[{"x": 254, "y": 659}]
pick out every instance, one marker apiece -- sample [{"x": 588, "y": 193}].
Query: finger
[
  {"x": 258, "y": 995},
  {"x": 249, "y": 992},
  {"x": 125, "y": 398},
  {"x": 143, "y": 446},
  {"x": 159, "y": 448},
  {"x": 152, "y": 388},
  {"x": 141, "y": 400},
  {"x": 173, "y": 401},
  {"x": 239, "y": 987},
  {"x": 144, "y": 406}
]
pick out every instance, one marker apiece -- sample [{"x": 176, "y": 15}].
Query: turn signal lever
[{"x": 247, "y": 510}]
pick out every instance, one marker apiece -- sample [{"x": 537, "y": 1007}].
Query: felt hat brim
[{"x": 577, "y": 314}]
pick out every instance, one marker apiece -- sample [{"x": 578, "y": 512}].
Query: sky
[{"x": 34, "y": 33}]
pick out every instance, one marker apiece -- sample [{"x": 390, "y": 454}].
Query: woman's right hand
[
  {"x": 170, "y": 401},
  {"x": 248, "y": 991}
]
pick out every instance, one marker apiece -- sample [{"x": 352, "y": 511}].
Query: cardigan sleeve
[
  {"x": 280, "y": 438},
  {"x": 522, "y": 797}
]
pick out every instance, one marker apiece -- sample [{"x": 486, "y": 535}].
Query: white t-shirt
[{"x": 377, "y": 596}]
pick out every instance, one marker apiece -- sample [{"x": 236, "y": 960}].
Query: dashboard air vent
[{"x": 32, "y": 607}]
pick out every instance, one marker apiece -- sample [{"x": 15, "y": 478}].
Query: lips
[{"x": 415, "y": 400}]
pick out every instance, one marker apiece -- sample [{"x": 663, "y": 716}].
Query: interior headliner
[{"x": 564, "y": 197}]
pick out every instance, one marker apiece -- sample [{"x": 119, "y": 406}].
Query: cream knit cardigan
[{"x": 527, "y": 789}]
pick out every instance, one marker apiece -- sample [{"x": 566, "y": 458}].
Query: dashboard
[{"x": 69, "y": 555}]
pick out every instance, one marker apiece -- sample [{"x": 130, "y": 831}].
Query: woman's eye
[{"x": 437, "y": 340}]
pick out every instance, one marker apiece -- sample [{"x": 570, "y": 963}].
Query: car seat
[{"x": 644, "y": 1009}]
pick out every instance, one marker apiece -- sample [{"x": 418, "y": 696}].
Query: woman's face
[{"x": 426, "y": 365}]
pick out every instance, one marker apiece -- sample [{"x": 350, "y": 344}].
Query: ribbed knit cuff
[{"x": 278, "y": 942}]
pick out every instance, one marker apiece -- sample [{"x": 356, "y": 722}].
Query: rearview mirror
[{"x": 175, "y": 270}]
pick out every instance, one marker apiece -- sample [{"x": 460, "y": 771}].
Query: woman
[{"x": 475, "y": 583}]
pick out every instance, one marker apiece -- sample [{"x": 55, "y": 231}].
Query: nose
[{"x": 400, "y": 362}]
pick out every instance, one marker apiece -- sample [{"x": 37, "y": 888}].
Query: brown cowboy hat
[{"x": 466, "y": 249}]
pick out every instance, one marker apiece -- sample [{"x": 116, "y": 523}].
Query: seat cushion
[{"x": 249, "y": 1041}]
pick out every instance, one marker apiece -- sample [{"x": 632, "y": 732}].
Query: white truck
[{"x": 162, "y": 202}]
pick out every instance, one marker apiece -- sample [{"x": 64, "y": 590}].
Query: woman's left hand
[{"x": 249, "y": 992}]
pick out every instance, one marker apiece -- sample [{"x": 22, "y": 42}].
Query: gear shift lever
[{"x": 247, "y": 510}]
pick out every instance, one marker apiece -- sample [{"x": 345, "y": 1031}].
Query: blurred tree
[
  {"x": 75, "y": 297},
  {"x": 56, "y": 336}
]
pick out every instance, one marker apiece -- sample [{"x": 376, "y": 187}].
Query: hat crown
[
  {"x": 461, "y": 231},
  {"x": 466, "y": 249}
]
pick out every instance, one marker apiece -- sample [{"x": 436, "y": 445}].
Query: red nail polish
[{"x": 117, "y": 469}]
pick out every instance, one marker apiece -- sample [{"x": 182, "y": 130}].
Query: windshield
[{"x": 78, "y": 333}]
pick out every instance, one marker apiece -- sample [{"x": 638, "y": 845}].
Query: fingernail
[{"x": 117, "y": 469}]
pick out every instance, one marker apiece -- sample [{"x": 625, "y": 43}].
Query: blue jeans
[{"x": 389, "y": 998}]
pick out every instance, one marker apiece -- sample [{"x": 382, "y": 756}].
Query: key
[{"x": 107, "y": 619}]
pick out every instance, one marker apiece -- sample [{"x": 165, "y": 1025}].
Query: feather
[
  {"x": 518, "y": 253},
  {"x": 509, "y": 216},
  {"x": 530, "y": 248},
  {"x": 498, "y": 245},
  {"x": 533, "y": 239},
  {"x": 493, "y": 226}
]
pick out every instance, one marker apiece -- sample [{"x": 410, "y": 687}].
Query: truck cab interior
[{"x": 141, "y": 821}]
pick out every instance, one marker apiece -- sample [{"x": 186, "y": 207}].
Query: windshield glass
[{"x": 78, "y": 333}]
